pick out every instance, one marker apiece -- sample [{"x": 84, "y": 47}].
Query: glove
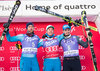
[
  {"x": 77, "y": 21},
  {"x": 44, "y": 36},
  {"x": 6, "y": 25},
  {"x": 18, "y": 46},
  {"x": 90, "y": 34},
  {"x": 80, "y": 21},
  {"x": 70, "y": 24},
  {"x": 68, "y": 18}
]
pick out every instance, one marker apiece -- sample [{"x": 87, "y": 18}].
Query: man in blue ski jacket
[
  {"x": 29, "y": 43},
  {"x": 50, "y": 43}
]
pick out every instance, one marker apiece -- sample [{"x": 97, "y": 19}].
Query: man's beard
[
  {"x": 30, "y": 34},
  {"x": 67, "y": 36}
]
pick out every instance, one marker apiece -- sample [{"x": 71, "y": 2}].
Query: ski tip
[
  {"x": 18, "y": 2},
  {"x": 83, "y": 12},
  {"x": 0, "y": 43},
  {"x": 36, "y": 7}
]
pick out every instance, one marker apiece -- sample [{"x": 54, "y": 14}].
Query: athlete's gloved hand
[
  {"x": 77, "y": 21},
  {"x": 90, "y": 34},
  {"x": 6, "y": 25},
  {"x": 44, "y": 36},
  {"x": 18, "y": 46},
  {"x": 80, "y": 21},
  {"x": 69, "y": 20},
  {"x": 70, "y": 24}
]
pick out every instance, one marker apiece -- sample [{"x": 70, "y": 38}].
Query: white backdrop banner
[{"x": 64, "y": 7}]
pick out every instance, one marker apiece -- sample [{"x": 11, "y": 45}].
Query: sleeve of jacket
[
  {"x": 19, "y": 37},
  {"x": 60, "y": 37},
  {"x": 40, "y": 44},
  {"x": 81, "y": 42}
]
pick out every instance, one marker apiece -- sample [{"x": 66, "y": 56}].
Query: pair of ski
[
  {"x": 66, "y": 18},
  {"x": 89, "y": 36},
  {"x": 12, "y": 15},
  {"x": 84, "y": 23}
]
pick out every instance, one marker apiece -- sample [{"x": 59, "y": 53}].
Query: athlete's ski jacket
[
  {"x": 29, "y": 44},
  {"x": 71, "y": 46},
  {"x": 51, "y": 46}
]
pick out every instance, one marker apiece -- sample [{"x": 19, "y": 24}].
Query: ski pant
[
  {"x": 52, "y": 65},
  {"x": 29, "y": 64},
  {"x": 71, "y": 64}
]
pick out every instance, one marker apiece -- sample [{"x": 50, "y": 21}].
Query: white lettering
[{"x": 47, "y": 43}]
